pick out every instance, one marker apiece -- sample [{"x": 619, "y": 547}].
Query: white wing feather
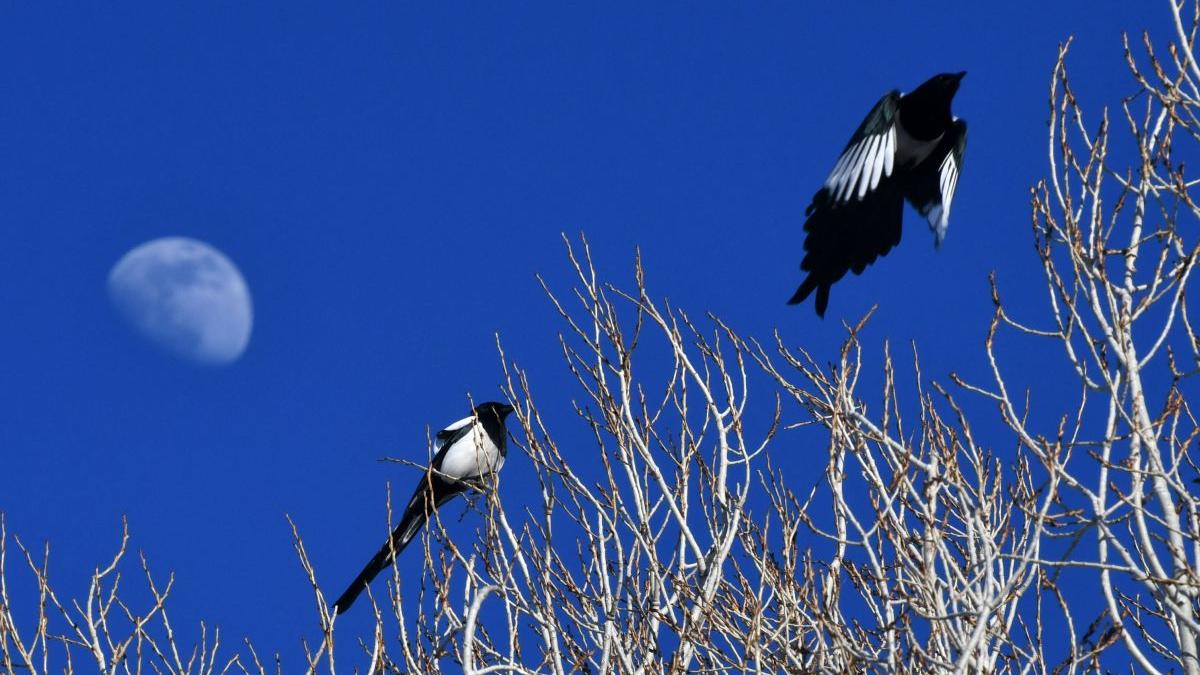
[
  {"x": 861, "y": 167},
  {"x": 939, "y": 214}
]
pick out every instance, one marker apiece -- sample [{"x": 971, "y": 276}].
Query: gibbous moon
[{"x": 186, "y": 297}]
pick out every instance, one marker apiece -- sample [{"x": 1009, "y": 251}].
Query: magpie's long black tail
[
  {"x": 844, "y": 237},
  {"x": 806, "y": 289},
  {"x": 430, "y": 494}
]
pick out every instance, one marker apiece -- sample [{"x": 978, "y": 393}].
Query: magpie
[
  {"x": 467, "y": 450},
  {"x": 909, "y": 147}
]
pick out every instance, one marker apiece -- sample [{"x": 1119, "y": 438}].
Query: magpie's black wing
[
  {"x": 869, "y": 156},
  {"x": 855, "y": 217},
  {"x": 449, "y": 436},
  {"x": 932, "y": 184}
]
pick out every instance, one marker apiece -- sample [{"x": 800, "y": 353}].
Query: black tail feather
[
  {"x": 409, "y": 525},
  {"x": 803, "y": 292},
  {"x": 806, "y": 289},
  {"x": 430, "y": 494},
  {"x": 845, "y": 237}
]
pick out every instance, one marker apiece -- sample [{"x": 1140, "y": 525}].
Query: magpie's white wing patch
[
  {"x": 869, "y": 156},
  {"x": 937, "y": 211},
  {"x": 861, "y": 167},
  {"x": 456, "y": 426},
  {"x": 471, "y": 455},
  {"x": 939, "y": 215},
  {"x": 451, "y": 433}
]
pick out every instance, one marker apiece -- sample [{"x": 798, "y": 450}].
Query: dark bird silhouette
[
  {"x": 468, "y": 450},
  {"x": 909, "y": 147}
]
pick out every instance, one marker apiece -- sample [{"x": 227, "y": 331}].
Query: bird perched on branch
[
  {"x": 468, "y": 450},
  {"x": 909, "y": 147}
]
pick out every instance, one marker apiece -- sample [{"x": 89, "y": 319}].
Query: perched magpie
[
  {"x": 909, "y": 147},
  {"x": 467, "y": 450}
]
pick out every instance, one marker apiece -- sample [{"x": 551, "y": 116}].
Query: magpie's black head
[
  {"x": 925, "y": 112},
  {"x": 942, "y": 86},
  {"x": 493, "y": 410}
]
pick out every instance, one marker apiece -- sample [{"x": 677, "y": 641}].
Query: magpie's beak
[
  {"x": 959, "y": 76},
  {"x": 505, "y": 409}
]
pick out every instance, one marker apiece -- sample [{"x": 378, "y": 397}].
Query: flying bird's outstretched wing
[
  {"x": 434, "y": 490},
  {"x": 931, "y": 189},
  {"x": 869, "y": 156},
  {"x": 855, "y": 217}
]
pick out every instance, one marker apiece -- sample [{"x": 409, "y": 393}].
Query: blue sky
[{"x": 389, "y": 178}]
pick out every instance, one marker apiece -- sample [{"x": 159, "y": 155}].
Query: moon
[{"x": 185, "y": 296}]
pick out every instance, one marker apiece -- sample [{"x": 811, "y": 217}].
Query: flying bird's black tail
[
  {"x": 806, "y": 289},
  {"x": 430, "y": 494},
  {"x": 847, "y": 236}
]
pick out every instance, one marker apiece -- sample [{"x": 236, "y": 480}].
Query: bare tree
[
  {"x": 951, "y": 530},
  {"x": 102, "y": 632},
  {"x": 925, "y": 547}
]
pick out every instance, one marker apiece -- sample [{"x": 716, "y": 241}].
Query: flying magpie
[
  {"x": 467, "y": 450},
  {"x": 909, "y": 147}
]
